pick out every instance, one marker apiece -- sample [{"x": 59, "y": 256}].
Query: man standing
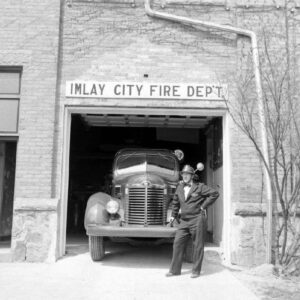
[{"x": 193, "y": 199}]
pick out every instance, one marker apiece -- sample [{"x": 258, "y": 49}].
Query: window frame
[{"x": 12, "y": 96}]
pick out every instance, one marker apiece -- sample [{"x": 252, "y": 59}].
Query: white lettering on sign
[{"x": 93, "y": 89}]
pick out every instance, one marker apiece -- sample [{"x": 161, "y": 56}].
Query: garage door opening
[{"x": 96, "y": 138}]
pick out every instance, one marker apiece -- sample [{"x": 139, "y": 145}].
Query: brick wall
[{"x": 29, "y": 38}]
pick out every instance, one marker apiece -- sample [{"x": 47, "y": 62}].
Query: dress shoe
[
  {"x": 169, "y": 274},
  {"x": 195, "y": 275}
]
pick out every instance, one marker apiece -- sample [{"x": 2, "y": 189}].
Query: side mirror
[{"x": 200, "y": 166}]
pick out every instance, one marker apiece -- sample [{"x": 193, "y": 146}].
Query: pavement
[{"x": 127, "y": 272}]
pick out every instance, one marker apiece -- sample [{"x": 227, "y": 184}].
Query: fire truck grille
[{"x": 145, "y": 206}]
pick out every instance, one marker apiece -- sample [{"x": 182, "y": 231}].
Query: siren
[{"x": 179, "y": 154}]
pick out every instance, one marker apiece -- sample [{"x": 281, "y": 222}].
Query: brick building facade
[{"x": 55, "y": 42}]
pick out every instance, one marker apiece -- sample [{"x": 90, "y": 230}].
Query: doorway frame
[
  {"x": 10, "y": 137},
  {"x": 68, "y": 110}
]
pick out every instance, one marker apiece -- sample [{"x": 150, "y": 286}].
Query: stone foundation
[
  {"x": 34, "y": 234},
  {"x": 248, "y": 235}
]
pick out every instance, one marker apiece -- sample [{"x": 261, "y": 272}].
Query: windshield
[{"x": 142, "y": 162}]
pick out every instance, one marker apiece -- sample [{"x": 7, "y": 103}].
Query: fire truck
[{"x": 140, "y": 205}]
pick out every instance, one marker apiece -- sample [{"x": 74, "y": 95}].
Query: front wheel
[{"x": 97, "y": 247}]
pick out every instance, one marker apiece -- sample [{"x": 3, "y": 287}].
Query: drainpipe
[{"x": 254, "y": 46}]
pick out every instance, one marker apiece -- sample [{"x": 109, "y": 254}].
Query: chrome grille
[{"x": 145, "y": 206}]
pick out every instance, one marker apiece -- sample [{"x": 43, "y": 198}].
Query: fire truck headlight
[{"x": 112, "y": 206}]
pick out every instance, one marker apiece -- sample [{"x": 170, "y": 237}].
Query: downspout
[{"x": 254, "y": 46}]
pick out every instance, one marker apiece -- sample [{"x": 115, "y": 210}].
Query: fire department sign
[{"x": 95, "y": 89}]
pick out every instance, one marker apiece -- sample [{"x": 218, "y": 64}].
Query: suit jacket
[{"x": 200, "y": 195}]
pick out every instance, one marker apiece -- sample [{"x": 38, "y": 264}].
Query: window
[{"x": 10, "y": 85}]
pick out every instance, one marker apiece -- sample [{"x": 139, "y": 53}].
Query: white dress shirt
[{"x": 186, "y": 190}]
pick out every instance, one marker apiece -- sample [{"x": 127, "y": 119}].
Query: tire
[
  {"x": 189, "y": 251},
  {"x": 97, "y": 247}
]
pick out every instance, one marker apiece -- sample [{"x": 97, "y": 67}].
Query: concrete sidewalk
[{"x": 126, "y": 273}]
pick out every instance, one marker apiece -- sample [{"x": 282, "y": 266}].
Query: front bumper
[{"x": 131, "y": 231}]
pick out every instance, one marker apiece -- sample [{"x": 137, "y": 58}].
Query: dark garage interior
[
  {"x": 95, "y": 139},
  {"x": 7, "y": 182}
]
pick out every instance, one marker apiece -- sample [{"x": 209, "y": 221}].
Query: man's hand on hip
[{"x": 171, "y": 221}]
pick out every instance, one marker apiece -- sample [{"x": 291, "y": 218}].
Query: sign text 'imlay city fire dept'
[{"x": 94, "y": 89}]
